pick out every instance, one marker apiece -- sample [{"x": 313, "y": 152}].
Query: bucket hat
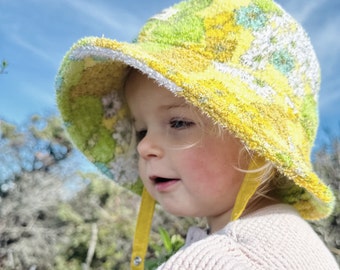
[{"x": 246, "y": 64}]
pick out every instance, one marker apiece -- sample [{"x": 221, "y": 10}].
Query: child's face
[{"x": 187, "y": 169}]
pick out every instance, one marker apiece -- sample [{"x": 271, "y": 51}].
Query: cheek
[
  {"x": 203, "y": 158},
  {"x": 216, "y": 179},
  {"x": 199, "y": 165},
  {"x": 213, "y": 165},
  {"x": 191, "y": 160}
]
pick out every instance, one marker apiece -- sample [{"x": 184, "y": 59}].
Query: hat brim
[{"x": 95, "y": 69}]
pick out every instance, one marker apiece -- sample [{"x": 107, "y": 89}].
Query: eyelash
[
  {"x": 180, "y": 123},
  {"x": 177, "y": 124}
]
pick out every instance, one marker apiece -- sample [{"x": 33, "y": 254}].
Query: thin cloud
[
  {"x": 327, "y": 42},
  {"x": 330, "y": 96},
  {"x": 113, "y": 19},
  {"x": 302, "y": 10},
  {"x": 16, "y": 39},
  {"x": 41, "y": 93}
]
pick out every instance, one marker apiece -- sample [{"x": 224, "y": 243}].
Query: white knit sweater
[{"x": 274, "y": 237}]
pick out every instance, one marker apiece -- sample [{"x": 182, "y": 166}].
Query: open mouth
[
  {"x": 163, "y": 184},
  {"x": 160, "y": 180}
]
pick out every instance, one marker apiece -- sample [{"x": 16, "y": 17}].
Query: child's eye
[
  {"x": 140, "y": 134},
  {"x": 181, "y": 124}
]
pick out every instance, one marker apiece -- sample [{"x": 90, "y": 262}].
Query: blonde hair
[{"x": 272, "y": 182}]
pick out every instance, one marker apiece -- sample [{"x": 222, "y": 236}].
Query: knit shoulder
[
  {"x": 214, "y": 252},
  {"x": 275, "y": 237}
]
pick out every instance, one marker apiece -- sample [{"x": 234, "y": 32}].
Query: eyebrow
[
  {"x": 168, "y": 108},
  {"x": 175, "y": 106}
]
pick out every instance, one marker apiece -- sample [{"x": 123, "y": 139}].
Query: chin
[{"x": 181, "y": 212}]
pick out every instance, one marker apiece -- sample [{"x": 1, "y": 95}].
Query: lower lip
[{"x": 165, "y": 186}]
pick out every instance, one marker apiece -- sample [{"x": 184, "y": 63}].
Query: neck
[{"x": 218, "y": 222}]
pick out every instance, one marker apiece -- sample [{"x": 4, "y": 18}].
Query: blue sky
[{"x": 35, "y": 34}]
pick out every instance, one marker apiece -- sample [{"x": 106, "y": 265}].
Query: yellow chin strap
[
  {"x": 143, "y": 227},
  {"x": 249, "y": 186}
]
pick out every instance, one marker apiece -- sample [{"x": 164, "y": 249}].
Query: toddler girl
[{"x": 212, "y": 112}]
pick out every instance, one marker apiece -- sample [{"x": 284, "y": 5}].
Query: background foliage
[
  {"x": 57, "y": 213},
  {"x": 3, "y": 66}
]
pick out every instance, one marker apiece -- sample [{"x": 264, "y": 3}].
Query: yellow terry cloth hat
[{"x": 247, "y": 64}]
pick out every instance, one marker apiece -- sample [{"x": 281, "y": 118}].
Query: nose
[{"x": 150, "y": 146}]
